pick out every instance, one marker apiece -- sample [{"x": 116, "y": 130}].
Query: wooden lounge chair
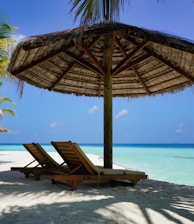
[
  {"x": 81, "y": 168},
  {"x": 45, "y": 164}
]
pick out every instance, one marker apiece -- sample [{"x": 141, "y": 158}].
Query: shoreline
[
  {"x": 151, "y": 201},
  {"x": 171, "y": 164},
  {"x": 98, "y": 160}
]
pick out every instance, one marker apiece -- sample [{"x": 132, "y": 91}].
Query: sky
[{"x": 43, "y": 116}]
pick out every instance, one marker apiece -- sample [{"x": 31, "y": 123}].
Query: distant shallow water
[{"x": 166, "y": 162}]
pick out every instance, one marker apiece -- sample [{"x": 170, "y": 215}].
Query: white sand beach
[{"x": 26, "y": 201}]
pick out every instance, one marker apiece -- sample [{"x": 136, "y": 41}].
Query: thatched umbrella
[{"x": 105, "y": 60}]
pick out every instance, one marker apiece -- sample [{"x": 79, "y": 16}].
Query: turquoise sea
[{"x": 166, "y": 162}]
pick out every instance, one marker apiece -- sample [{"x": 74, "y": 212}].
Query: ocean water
[{"x": 166, "y": 162}]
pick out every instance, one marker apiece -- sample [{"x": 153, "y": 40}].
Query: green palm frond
[
  {"x": 6, "y": 100},
  {"x": 5, "y": 30},
  {"x": 8, "y": 111},
  {"x": 92, "y": 11},
  {"x": 5, "y": 47}
]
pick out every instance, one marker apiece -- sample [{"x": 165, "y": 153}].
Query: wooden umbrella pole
[
  {"x": 108, "y": 122},
  {"x": 108, "y": 43}
]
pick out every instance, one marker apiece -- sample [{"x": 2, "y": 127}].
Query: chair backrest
[
  {"x": 42, "y": 157},
  {"x": 75, "y": 158}
]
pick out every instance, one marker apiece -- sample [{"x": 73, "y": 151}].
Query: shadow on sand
[{"x": 41, "y": 202}]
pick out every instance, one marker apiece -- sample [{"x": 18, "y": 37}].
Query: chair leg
[
  {"x": 134, "y": 182},
  {"x": 26, "y": 175},
  {"x": 37, "y": 177},
  {"x": 53, "y": 181},
  {"x": 71, "y": 181},
  {"x": 73, "y": 184}
]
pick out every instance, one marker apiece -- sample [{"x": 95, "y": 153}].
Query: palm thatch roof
[{"x": 144, "y": 62}]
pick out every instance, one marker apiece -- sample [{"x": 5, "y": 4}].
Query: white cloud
[
  {"x": 93, "y": 109},
  {"x": 14, "y": 132},
  {"x": 121, "y": 114},
  {"x": 55, "y": 124},
  {"x": 18, "y": 37},
  {"x": 180, "y": 128},
  {"x": 180, "y": 124}
]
